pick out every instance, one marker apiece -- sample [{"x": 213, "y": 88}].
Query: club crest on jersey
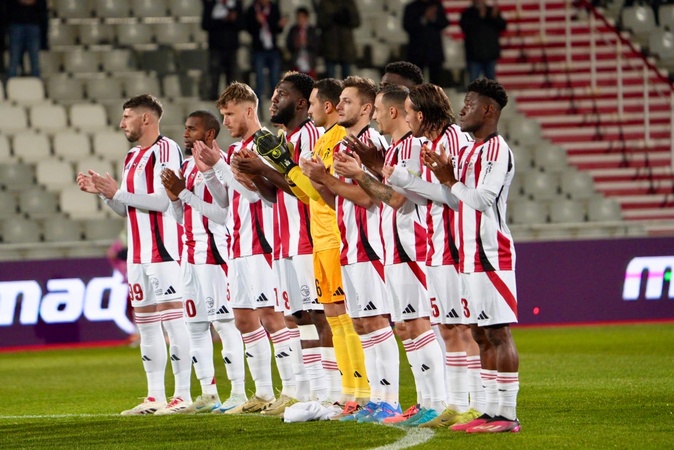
[
  {"x": 155, "y": 285},
  {"x": 141, "y": 165}
]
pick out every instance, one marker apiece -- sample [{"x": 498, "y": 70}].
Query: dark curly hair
[
  {"x": 491, "y": 89},
  {"x": 406, "y": 70},
  {"x": 301, "y": 82},
  {"x": 147, "y": 101}
]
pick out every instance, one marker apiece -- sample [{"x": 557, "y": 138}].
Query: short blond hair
[{"x": 237, "y": 93}]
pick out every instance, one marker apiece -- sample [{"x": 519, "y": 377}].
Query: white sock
[
  {"x": 432, "y": 363},
  {"x": 153, "y": 353},
  {"x": 303, "y": 386},
  {"x": 232, "y": 354},
  {"x": 491, "y": 391},
  {"x": 179, "y": 349},
  {"x": 387, "y": 359},
  {"x": 370, "y": 355},
  {"x": 456, "y": 380},
  {"x": 201, "y": 344},
  {"x": 334, "y": 378},
  {"x": 284, "y": 361},
  {"x": 477, "y": 394},
  {"x": 258, "y": 357},
  {"x": 508, "y": 386},
  {"x": 317, "y": 378}
]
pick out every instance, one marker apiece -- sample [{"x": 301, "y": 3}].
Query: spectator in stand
[
  {"x": 482, "y": 25},
  {"x": 337, "y": 20},
  {"x": 25, "y": 24},
  {"x": 424, "y": 20},
  {"x": 302, "y": 43},
  {"x": 264, "y": 23},
  {"x": 222, "y": 20}
]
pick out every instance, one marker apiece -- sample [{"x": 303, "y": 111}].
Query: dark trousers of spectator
[
  {"x": 270, "y": 60},
  {"x": 220, "y": 61},
  {"x": 331, "y": 69},
  {"x": 478, "y": 68},
  {"x": 24, "y": 38}
]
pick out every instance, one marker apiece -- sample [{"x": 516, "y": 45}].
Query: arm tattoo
[{"x": 375, "y": 188}]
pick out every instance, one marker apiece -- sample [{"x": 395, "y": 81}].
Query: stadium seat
[
  {"x": 48, "y": 118},
  {"x": 96, "y": 33},
  {"x": 80, "y": 205},
  {"x": 160, "y": 61},
  {"x": 81, "y": 61},
  {"x": 529, "y": 212},
  {"x": 516, "y": 189},
  {"x": 174, "y": 115},
  {"x": 524, "y": 160},
  {"x": 112, "y": 9},
  {"x": 601, "y": 209},
  {"x": 149, "y": 8},
  {"x": 17, "y": 230},
  {"x": 661, "y": 44},
  {"x": 171, "y": 86},
  {"x": 640, "y": 20},
  {"x": 5, "y": 149},
  {"x": 13, "y": 119},
  {"x": 193, "y": 60},
  {"x": 243, "y": 58},
  {"x": 389, "y": 30},
  {"x": 200, "y": 36},
  {"x": 130, "y": 34},
  {"x": 61, "y": 34},
  {"x": 524, "y": 131},
  {"x": 31, "y": 147},
  {"x": 172, "y": 33},
  {"x": 110, "y": 145},
  {"x": 55, "y": 175},
  {"x": 666, "y": 16},
  {"x": 38, "y": 203},
  {"x": 62, "y": 229},
  {"x": 541, "y": 185},
  {"x": 97, "y": 165},
  {"x": 119, "y": 60},
  {"x": 142, "y": 84},
  {"x": 73, "y": 9},
  {"x": 577, "y": 184},
  {"x": 381, "y": 54},
  {"x": 50, "y": 62},
  {"x": 550, "y": 158},
  {"x": 16, "y": 176},
  {"x": 104, "y": 89},
  {"x": 185, "y": 8},
  {"x": 102, "y": 229},
  {"x": 88, "y": 117},
  {"x": 25, "y": 90},
  {"x": 567, "y": 211},
  {"x": 64, "y": 89},
  {"x": 8, "y": 206},
  {"x": 455, "y": 59},
  {"x": 71, "y": 145}
]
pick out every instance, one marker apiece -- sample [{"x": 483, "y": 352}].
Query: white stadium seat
[
  {"x": 25, "y": 90},
  {"x": 48, "y": 118},
  {"x": 31, "y": 147},
  {"x": 71, "y": 145}
]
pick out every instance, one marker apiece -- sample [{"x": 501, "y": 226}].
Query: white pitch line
[
  {"x": 56, "y": 416},
  {"x": 413, "y": 436}
]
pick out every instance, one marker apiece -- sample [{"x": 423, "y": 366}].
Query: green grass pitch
[{"x": 580, "y": 387}]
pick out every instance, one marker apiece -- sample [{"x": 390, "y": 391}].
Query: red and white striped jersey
[
  {"x": 291, "y": 216},
  {"x": 153, "y": 236},
  {"x": 486, "y": 170},
  {"x": 251, "y": 225},
  {"x": 441, "y": 219},
  {"x": 204, "y": 241},
  {"x": 359, "y": 227},
  {"x": 403, "y": 231}
]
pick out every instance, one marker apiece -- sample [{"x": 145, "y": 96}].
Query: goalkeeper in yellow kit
[{"x": 348, "y": 350}]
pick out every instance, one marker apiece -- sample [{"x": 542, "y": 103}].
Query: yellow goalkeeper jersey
[{"x": 323, "y": 220}]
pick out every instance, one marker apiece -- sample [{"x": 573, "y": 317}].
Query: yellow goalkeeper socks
[
  {"x": 342, "y": 356},
  {"x": 357, "y": 357}
]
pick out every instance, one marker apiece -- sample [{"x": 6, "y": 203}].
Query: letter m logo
[{"x": 653, "y": 270}]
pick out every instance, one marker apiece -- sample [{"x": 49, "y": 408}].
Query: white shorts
[
  {"x": 206, "y": 297},
  {"x": 297, "y": 287},
  {"x": 252, "y": 282},
  {"x": 491, "y": 297},
  {"x": 153, "y": 283},
  {"x": 406, "y": 288},
  {"x": 444, "y": 289},
  {"x": 365, "y": 289}
]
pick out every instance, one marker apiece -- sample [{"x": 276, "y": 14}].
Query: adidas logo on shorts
[
  {"x": 370, "y": 307},
  {"x": 223, "y": 310},
  {"x": 482, "y": 316},
  {"x": 261, "y": 298},
  {"x": 409, "y": 310},
  {"x": 452, "y": 315},
  {"x": 338, "y": 292},
  {"x": 170, "y": 291}
]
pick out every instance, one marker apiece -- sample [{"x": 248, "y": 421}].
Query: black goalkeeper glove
[{"x": 275, "y": 150}]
